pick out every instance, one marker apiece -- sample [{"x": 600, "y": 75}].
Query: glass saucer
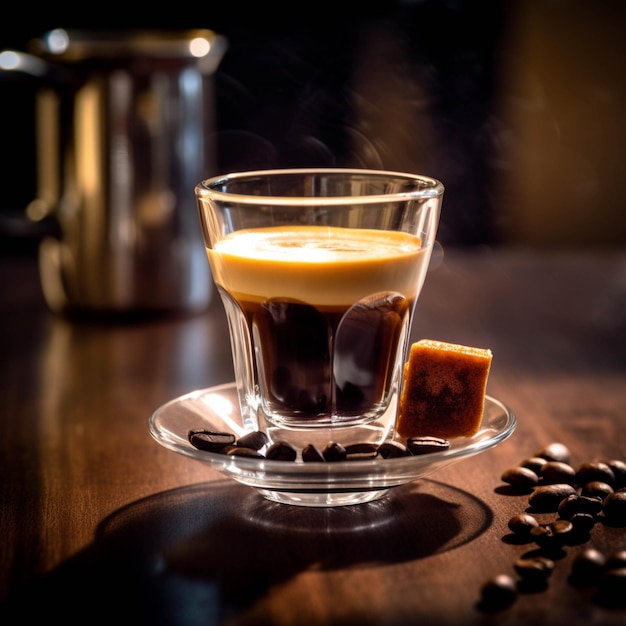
[{"x": 311, "y": 484}]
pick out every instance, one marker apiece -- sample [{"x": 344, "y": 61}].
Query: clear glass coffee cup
[{"x": 319, "y": 272}]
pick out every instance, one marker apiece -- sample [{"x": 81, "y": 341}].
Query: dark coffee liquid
[{"x": 317, "y": 362}]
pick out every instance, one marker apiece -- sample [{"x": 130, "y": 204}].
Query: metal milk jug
[{"x": 125, "y": 125}]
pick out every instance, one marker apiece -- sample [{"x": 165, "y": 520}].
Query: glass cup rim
[{"x": 430, "y": 187}]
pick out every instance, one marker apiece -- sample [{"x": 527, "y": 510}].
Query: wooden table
[{"x": 99, "y": 523}]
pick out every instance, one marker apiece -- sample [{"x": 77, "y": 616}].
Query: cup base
[
  {"x": 322, "y": 499},
  {"x": 375, "y": 430}
]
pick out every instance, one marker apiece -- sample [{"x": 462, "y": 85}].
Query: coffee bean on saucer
[
  {"x": 334, "y": 452},
  {"x": 241, "y": 451},
  {"x": 312, "y": 454},
  {"x": 281, "y": 451},
  {"x": 255, "y": 440},
  {"x": 392, "y": 450},
  {"x": 361, "y": 451},
  {"x": 426, "y": 445},
  {"x": 210, "y": 441}
]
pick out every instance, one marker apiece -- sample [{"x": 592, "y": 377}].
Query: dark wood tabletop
[{"x": 99, "y": 523}]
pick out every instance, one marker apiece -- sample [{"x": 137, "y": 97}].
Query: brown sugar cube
[{"x": 443, "y": 393}]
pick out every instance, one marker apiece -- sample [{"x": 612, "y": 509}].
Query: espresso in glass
[
  {"x": 325, "y": 312},
  {"x": 319, "y": 272}
]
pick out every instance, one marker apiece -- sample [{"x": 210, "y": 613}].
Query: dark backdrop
[{"x": 417, "y": 85}]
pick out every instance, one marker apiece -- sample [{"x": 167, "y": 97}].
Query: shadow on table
[{"x": 204, "y": 553}]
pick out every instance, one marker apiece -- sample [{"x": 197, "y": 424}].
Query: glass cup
[{"x": 319, "y": 271}]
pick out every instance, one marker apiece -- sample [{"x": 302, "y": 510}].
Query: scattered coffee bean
[
  {"x": 255, "y": 440},
  {"x": 534, "y": 463},
  {"x": 575, "y": 503},
  {"x": 534, "y": 570},
  {"x": 426, "y": 445},
  {"x": 312, "y": 454},
  {"x": 616, "y": 560},
  {"x": 554, "y": 452},
  {"x": 614, "y": 507},
  {"x": 612, "y": 587},
  {"x": 548, "y": 497},
  {"x": 498, "y": 592},
  {"x": 552, "y": 536},
  {"x": 587, "y": 566},
  {"x": 392, "y": 450},
  {"x": 522, "y": 523},
  {"x": 582, "y": 523},
  {"x": 281, "y": 451},
  {"x": 619, "y": 472},
  {"x": 596, "y": 489},
  {"x": 520, "y": 478},
  {"x": 210, "y": 441},
  {"x": 594, "y": 471},
  {"x": 554, "y": 472},
  {"x": 333, "y": 452}
]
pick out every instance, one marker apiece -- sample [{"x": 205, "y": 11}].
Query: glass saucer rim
[{"x": 462, "y": 447}]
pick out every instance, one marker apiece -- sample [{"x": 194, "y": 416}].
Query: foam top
[{"x": 318, "y": 264}]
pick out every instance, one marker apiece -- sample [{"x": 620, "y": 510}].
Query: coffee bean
[
  {"x": 596, "y": 489},
  {"x": 426, "y": 445},
  {"x": 587, "y": 566},
  {"x": 582, "y": 523},
  {"x": 392, "y": 450},
  {"x": 619, "y": 472},
  {"x": 534, "y": 463},
  {"x": 614, "y": 507},
  {"x": 548, "y": 497},
  {"x": 615, "y": 560},
  {"x": 522, "y": 523},
  {"x": 312, "y": 454},
  {"x": 281, "y": 451},
  {"x": 498, "y": 592},
  {"x": 554, "y": 452},
  {"x": 333, "y": 452},
  {"x": 552, "y": 536},
  {"x": 612, "y": 587},
  {"x": 554, "y": 472},
  {"x": 521, "y": 478},
  {"x": 534, "y": 570},
  {"x": 255, "y": 440},
  {"x": 241, "y": 451},
  {"x": 592, "y": 471},
  {"x": 210, "y": 441},
  {"x": 575, "y": 503},
  {"x": 361, "y": 451}
]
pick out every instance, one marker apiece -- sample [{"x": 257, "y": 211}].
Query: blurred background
[{"x": 517, "y": 106}]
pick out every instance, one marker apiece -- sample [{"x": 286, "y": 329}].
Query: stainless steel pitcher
[{"x": 125, "y": 123}]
